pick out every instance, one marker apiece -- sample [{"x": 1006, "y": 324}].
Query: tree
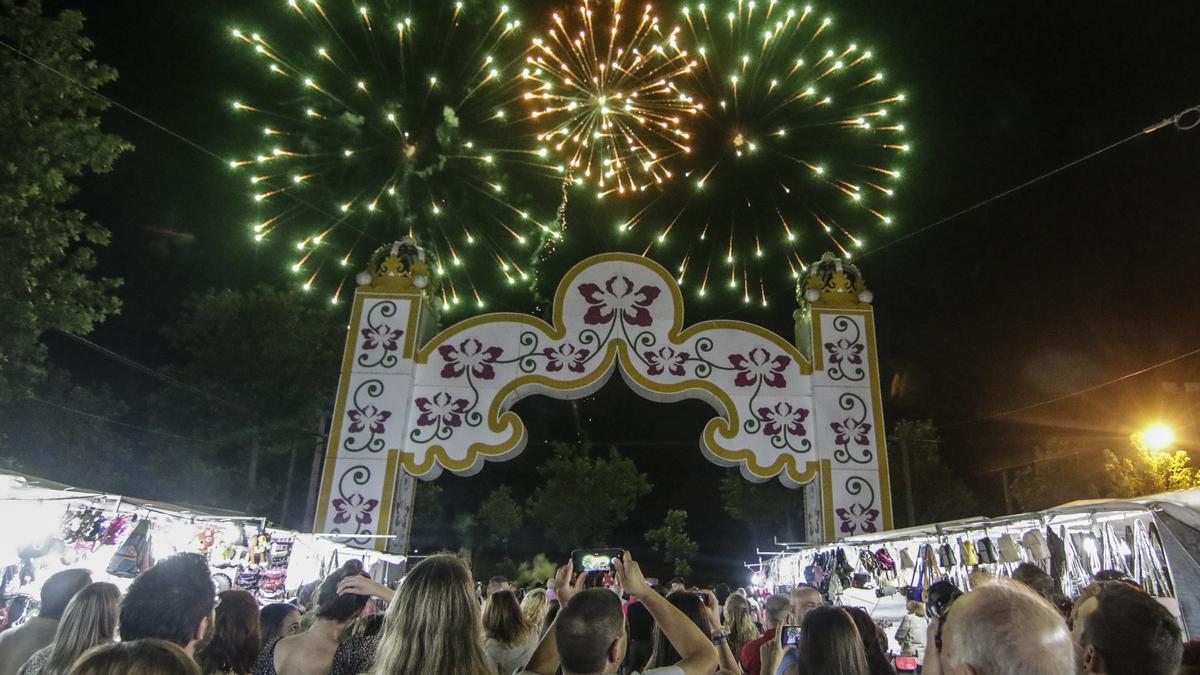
[
  {"x": 429, "y": 527},
  {"x": 768, "y": 509},
  {"x": 540, "y": 569},
  {"x": 673, "y": 542},
  {"x": 583, "y": 498},
  {"x": 500, "y": 515},
  {"x": 260, "y": 367},
  {"x": 937, "y": 494},
  {"x": 49, "y": 136},
  {"x": 1149, "y": 472},
  {"x": 1056, "y": 476},
  {"x": 59, "y": 436}
]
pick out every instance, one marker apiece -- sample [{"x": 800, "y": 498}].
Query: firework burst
[
  {"x": 603, "y": 87},
  {"x": 393, "y": 119},
  {"x": 797, "y": 150}
]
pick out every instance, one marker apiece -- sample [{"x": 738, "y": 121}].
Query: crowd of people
[{"x": 171, "y": 622}]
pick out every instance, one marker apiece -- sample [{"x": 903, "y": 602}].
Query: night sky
[{"x": 1078, "y": 279}]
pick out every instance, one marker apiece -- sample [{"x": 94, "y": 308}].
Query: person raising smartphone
[{"x": 588, "y": 636}]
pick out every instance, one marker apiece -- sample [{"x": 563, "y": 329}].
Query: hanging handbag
[
  {"x": 968, "y": 555},
  {"x": 133, "y": 557},
  {"x": 1035, "y": 542},
  {"x": 985, "y": 551},
  {"x": 946, "y": 556},
  {"x": 1009, "y": 552}
]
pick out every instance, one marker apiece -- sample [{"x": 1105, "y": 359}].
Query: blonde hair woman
[
  {"x": 139, "y": 657},
  {"x": 534, "y": 607},
  {"x": 433, "y": 623},
  {"x": 739, "y": 621},
  {"x": 90, "y": 620}
]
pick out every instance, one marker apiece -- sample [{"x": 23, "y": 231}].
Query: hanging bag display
[
  {"x": 133, "y": 557},
  {"x": 986, "y": 551},
  {"x": 1009, "y": 552}
]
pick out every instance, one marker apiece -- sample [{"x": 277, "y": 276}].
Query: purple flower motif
[
  {"x": 666, "y": 359},
  {"x": 618, "y": 296},
  {"x": 858, "y": 517},
  {"x": 851, "y": 428},
  {"x": 470, "y": 354},
  {"x": 354, "y": 506},
  {"x": 368, "y": 417},
  {"x": 381, "y": 335},
  {"x": 759, "y": 364},
  {"x": 846, "y": 350},
  {"x": 567, "y": 355},
  {"x": 782, "y": 416},
  {"x": 441, "y": 410}
]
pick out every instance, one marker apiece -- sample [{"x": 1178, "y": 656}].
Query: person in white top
[{"x": 588, "y": 636}]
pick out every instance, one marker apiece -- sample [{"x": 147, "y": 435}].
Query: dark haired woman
[
  {"x": 704, "y": 610},
  {"x": 236, "y": 636},
  {"x": 510, "y": 637},
  {"x": 829, "y": 645},
  {"x": 340, "y": 600},
  {"x": 874, "y": 642}
]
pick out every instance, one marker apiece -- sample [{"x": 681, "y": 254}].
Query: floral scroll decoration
[
  {"x": 852, "y": 434},
  {"x": 350, "y": 506},
  {"x": 860, "y": 516},
  {"x": 618, "y": 307},
  {"x": 380, "y": 341},
  {"x": 845, "y": 354},
  {"x": 368, "y": 422}
]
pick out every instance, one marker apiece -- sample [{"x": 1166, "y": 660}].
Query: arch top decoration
[{"x": 409, "y": 407}]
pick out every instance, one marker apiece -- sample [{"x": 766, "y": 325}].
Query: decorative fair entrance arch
[{"x": 411, "y": 407}]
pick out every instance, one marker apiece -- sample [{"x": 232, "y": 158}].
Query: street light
[{"x": 1157, "y": 437}]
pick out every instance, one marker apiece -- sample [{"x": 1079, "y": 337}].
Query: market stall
[
  {"x": 48, "y": 526},
  {"x": 1153, "y": 540}
]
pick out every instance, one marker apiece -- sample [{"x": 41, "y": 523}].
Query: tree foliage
[
  {"x": 1056, "y": 476},
  {"x": 1149, "y": 472},
  {"x": 584, "y": 495},
  {"x": 537, "y": 570},
  {"x": 49, "y": 136},
  {"x": 767, "y": 509},
  {"x": 500, "y": 515},
  {"x": 265, "y": 364},
  {"x": 673, "y": 542},
  {"x": 937, "y": 493}
]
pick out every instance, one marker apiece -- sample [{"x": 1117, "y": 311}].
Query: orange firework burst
[{"x": 604, "y": 86}]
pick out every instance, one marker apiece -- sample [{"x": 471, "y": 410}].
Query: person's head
[
  {"x": 915, "y": 607},
  {"x": 870, "y": 634},
  {"x": 1005, "y": 628},
  {"x": 692, "y": 606},
  {"x": 830, "y": 644},
  {"x": 722, "y": 592},
  {"x": 534, "y": 607},
  {"x": 236, "y": 635},
  {"x": 591, "y": 632},
  {"x": 433, "y": 624},
  {"x": 138, "y": 657},
  {"x": 59, "y": 589},
  {"x": 279, "y": 619},
  {"x": 739, "y": 619},
  {"x": 979, "y": 576},
  {"x": 1035, "y": 578},
  {"x": 171, "y": 601},
  {"x": 340, "y": 608},
  {"x": 90, "y": 620},
  {"x": 1190, "y": 665},
  {"x": 497, "y": 584},
  {"x": 804, "y": 599},
  {"x": 777, "y": 610},
  {"x": 1130, "y": 633},
  {"x": 503, "y": 620},
  {"x": 677, "y": 584}
]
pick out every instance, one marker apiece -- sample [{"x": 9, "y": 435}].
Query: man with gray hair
[
  {"x": 776, "y": 613},
  {"x": 1002, "y": 628}
]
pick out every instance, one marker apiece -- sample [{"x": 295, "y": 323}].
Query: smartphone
[
  {"x": 791, "y": 635},
  {"x": 595, "y": 559}
]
